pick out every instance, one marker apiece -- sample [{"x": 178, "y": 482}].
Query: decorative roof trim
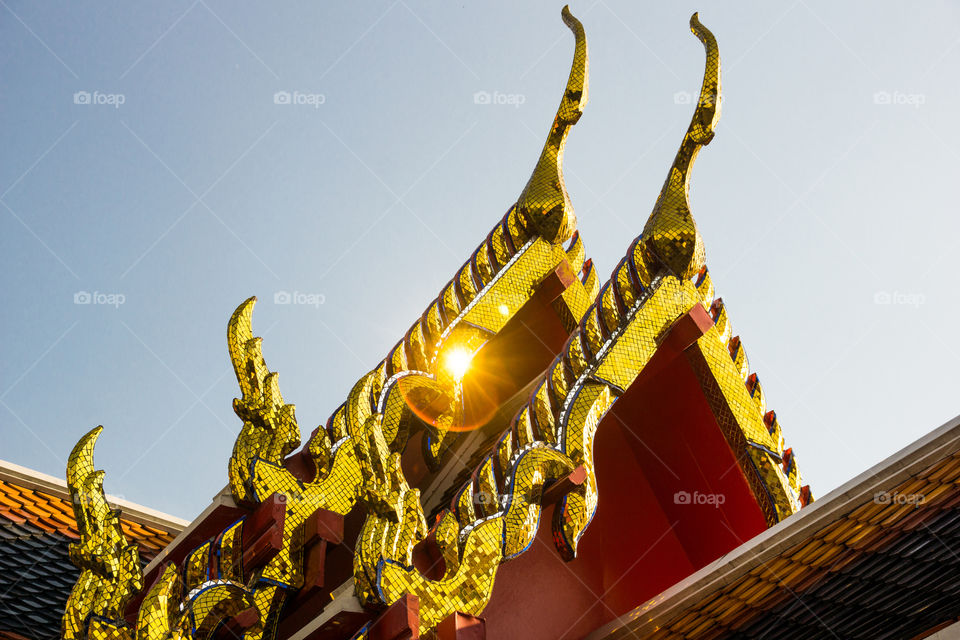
[{"x": 37, "y": 481}]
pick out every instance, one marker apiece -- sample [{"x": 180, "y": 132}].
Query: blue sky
[{"x": 146, "y": 161}]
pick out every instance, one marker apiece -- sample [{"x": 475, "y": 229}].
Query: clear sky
[{"x": 147, "y": 162}]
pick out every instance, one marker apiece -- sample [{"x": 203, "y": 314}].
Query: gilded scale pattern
[
  {"x": 111, "y": 576},
  {"x": 357, "y": 454},
  {"x": 109, "y": 568}
]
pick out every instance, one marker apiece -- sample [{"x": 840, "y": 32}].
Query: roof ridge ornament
[
  {"x": 110, "y": 571},
  {"x": 670, "y": 237},
  {"x": 544, "y": 203}
]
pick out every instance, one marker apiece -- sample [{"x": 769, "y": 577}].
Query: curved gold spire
[
  {"x": 544, "y": 203},
  {"x": 670, "y": 236},
  {"x": 80, "y": 463},
  {"x": 270, "y": 430},
  {"x": 110, "y": 572}
]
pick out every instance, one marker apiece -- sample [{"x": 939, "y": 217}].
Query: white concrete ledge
[{"x": 36, "y": 481}]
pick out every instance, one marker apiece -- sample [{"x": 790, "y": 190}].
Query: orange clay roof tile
[
  {"x": 6, "y": 499},
  {"x": 52, "y": 513}
]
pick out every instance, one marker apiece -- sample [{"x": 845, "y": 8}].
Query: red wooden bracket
[
  {"x": 560, "y": 488},
  {"x": 461, "y": 626},
  {"x": 320, "y": 529},
  {"x": 262, "y": 536},
  {"x": 401, "y": 621}
]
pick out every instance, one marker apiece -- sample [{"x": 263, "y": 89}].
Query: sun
[{"x": 457, "y": 362}]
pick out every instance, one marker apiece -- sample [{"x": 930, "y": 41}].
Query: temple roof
[
  {"x": 872, "y": 559},
  {"x": 36, "y": 526}
]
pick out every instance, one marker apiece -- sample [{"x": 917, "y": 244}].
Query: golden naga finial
[
  {"x": 544, "y": 203},
  {"x": 270, "y": 430},
  {"x": 670, "y": 236},
  {"x": 110, "y": 572}
]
